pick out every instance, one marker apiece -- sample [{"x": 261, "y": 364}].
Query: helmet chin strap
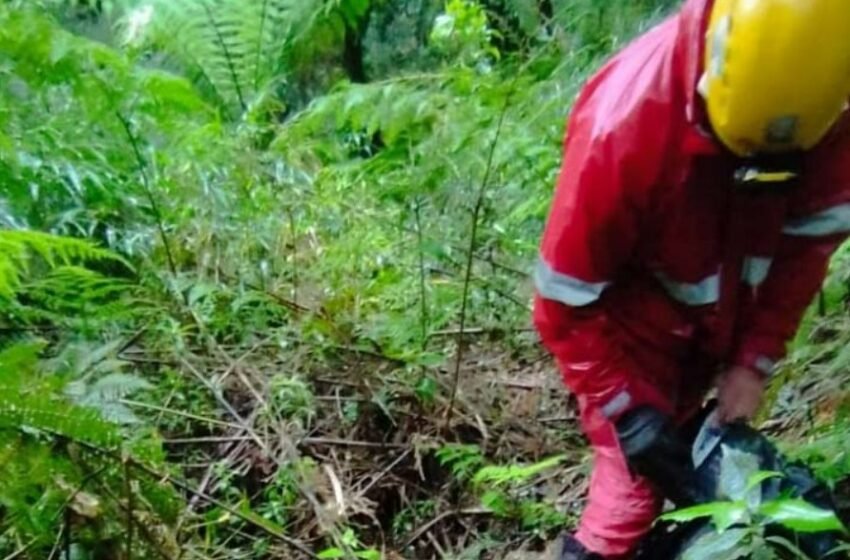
[{"x": 776, "y": 173}]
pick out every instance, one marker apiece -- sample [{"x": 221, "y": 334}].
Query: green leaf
[
  {"x": 426, "y": 390},
  {"x": 729, "y": 545},
  {"x": 801, "y": 516},
  {"x": 723, "y": 514},
  {"x": 330, "y": 553},
  {"x": 499, "y": 475},
  {"x": 781, "y": 542},
  {"x": 497, "y": 502},
  {"x": 760, "y": 477}
]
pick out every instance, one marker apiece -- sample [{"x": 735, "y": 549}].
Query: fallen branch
[{"x": 349, "y": 443}]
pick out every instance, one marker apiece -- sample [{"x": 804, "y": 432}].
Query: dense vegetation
[{"x": 263, "y": 278}]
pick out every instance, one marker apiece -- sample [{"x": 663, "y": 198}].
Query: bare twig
[
  {"x": 349, "y": 443},
  {"x": 385, "y": 471},
  {"x": 128, "y": 491},
  {"x": 243, "y": 424},
  {"x": 292, "y": 231},
  {"x": 175, "y": 412},
  {"x": 423, "y": 302},
  {"x": 208, "y": 439},
  {"x": 260, "y": 44},
  {"x": 479, "y": 203},
  {"x": 420, "y": 532}
]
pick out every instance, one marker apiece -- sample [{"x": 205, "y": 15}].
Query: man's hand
[{"x": 740, "y": 392}]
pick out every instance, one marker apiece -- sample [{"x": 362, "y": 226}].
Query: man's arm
[
  {"x": 818, "y": 224},
  {"x": 593, "y": 228}
]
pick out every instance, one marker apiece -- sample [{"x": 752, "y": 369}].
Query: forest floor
[
  {"x": 378, "y": 455},
  {"x": 398, "y": 463}
]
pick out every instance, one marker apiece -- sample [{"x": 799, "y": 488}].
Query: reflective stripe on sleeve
[
  {"x": 617, "y": 405},
  {"x": 828, "y": 222},
  {"x": 704, "y": 292},
  {"x": 755, "y": 270},
  {"x": 564, "y": 288}
]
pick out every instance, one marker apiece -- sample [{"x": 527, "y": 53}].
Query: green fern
[
  {"x": 105, "y": 394},
  {"x": 31, "y": 401},
  {"x": 20, "y": 251},
  {"x": 231, "y": 49},
  {"x": 234, "y": 50},
  {"x": 44, "y": 469}
]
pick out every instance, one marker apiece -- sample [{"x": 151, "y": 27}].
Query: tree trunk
[{"x": 353, "y": 59}]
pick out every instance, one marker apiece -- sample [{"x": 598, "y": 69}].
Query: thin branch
[
  {"x": 470, "y": 257},
  {"x": 188, "y": 415},
  {"x": 423, "y": 303},
  {"x": 128, "y": 491},
  {"x": 350, "y": 443},
  {"x": 242, "y": 422},
  {"x": 446, "y": 514},
  {"x": 141, "y": 163},
  {"x": 292, "y": 234}
]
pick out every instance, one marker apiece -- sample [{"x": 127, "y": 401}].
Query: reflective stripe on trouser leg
[{"x": 621, "y": 508}]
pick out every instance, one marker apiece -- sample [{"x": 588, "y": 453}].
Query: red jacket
[{"x": 653, "y": 258}]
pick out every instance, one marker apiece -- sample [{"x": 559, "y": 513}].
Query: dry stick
[
  {"x": 248, "y": 429},
  {"x": 470, "y": 257},
  {"x": 233, "y": 366},
  {"x": 243, "y": 424},
  {"x": 206, "y": 439},
  {"x": 205, "y": 481},
  {"x": 188, "y": 415},
  {"x": 146, "y": 184},
  {"x": 62, "y": 535},
  {"x": 349, "y": 443},
  {"x": 479, "y": 330},
  {"x": 67, "y": 534},
  {"x": 384, "y": 472},
  {"x": 446, "y": 514},
  {"x": 238, "y": 361}
]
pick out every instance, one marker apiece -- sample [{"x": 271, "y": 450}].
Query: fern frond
[
  {"x": 19, "y": 249},
  {"x": 42, "y": 412},
  {"x": 230, "y": 48},
  {"x": 105, "y": 395},
  {"x": 29, "y": 401}
]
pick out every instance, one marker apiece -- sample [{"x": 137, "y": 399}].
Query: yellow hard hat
[{"x": 777, "y": 72}]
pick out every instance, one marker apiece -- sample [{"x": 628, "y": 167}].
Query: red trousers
[{"x": 621, "y": 507}]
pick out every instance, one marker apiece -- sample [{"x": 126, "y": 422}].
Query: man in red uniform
[{"x": 705, "y": 184}]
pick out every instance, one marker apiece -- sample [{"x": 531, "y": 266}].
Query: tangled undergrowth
[{"x": 263, "y": 279}]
